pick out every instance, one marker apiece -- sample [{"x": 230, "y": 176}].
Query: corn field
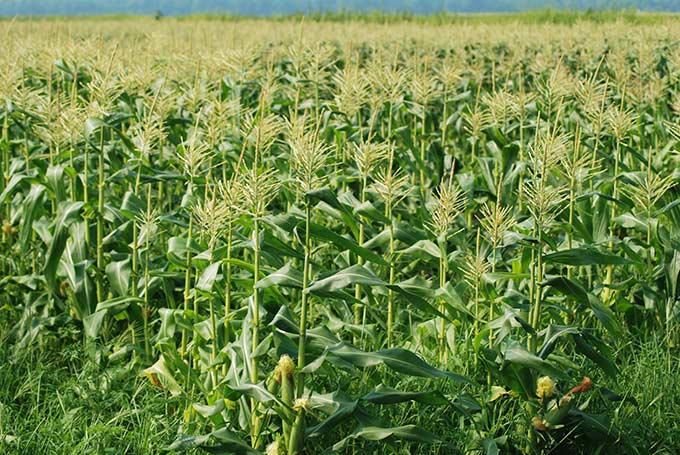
[{"x": 352, "y": 237}]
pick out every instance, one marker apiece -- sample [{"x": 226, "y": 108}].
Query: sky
[{"x": 267, "y": 7}]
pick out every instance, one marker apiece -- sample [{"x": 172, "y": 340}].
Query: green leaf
[
  {"x": 452, "y": 300},
  {"x": 326, "y": 195},
  {"x": 257, "y": 391},
  {"x": 132, "y": 206},
  {"x": 118, "y": 304},
  {"x": 672, "y": 269},
  {"x": 569, "y": 288},
  {"x": 368, "y": 210},
  {"x": 398, "y": 359},
  {"x": 605, "y": 315},
  {"x": 228, "y": 443},
  {"x": 491, "y": 445},
  {"x": 355, "y": 274},
  {"x": 507, "y": 321},
  {"x": 171, "y": 320},
  {"x": 423, "y": 249},
  {"x": 84, "y": 298},
  {"x": 374, "y": 433},
  {"x": 119, "y": 273},
  {"x": 273, "y": 245},
  {"x": 208, "y": 277},
  {"x": 596, "y": 351},
  {"x": 177, "y": 250},
  {"x": 66, "y": 214},
  {"x": 585, "y": 256},
  {"x": 339, "y": 407},
  {"x": 285, "y": 276},
  {"x": 630, "y": 221},
  {"x": 517, "y": 355},
  {"x": 55, "y": 182},
  {"x": 358, "y": 274},
  {"x": 13, "y": 183},
  {"x": 185, "y": 442},
  {"x": 92, "y": 322},
  {"x": 386, "y": 395},
  {"x": 31, "y": 207},
  {"x": 323, "y": 233},
  {"x": 209, "y": 410},
  {"x": 92, "y": 125},
  {"x": 284, "y": 320},
  {"x": 407, "y": 432},
  {"x": 551, "y": 335},
  {"x": 577, "y": 292}
]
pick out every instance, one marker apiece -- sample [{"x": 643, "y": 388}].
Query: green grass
[
  {"x": 649, "y": 415},
  {"x": 61, "y": 400}
]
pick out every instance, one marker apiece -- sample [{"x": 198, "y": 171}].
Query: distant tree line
[{"x": 267, "y": 7}]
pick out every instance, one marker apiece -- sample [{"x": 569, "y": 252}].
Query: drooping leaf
[
  {"x": 355, "y": 274},
  {"x": 160, "y": 376},
  {"x": 328, "y": 196},
  {"x": 339, "y": 408},
  {"x": 323, "y": 233},
  {"x": 517, "y": 355},
  {"x": 386, "y": 395},
  {"x": 605, "y": 315},
  {"x": 66, "y": 214},
  {"x": 31, "y": 207},
  {"x": 423, "y": 248},
  {"x": 358, "y": 274},
  {"x": 398, "y": 359},
  {"x": 584, "y": 256},
  {"x": 596, "y": 351},
  {"x": 285, "y": 276},
  {"x": 375, "y": 433},
  {"x": 208, "y": 277},
  {"x": 119, "y": 273}
]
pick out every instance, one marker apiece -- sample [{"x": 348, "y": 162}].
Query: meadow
[{"x": 393, "y": 235}]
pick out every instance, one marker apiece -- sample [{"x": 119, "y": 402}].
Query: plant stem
[
  {"x": 608, "y": 293},
  {"x": 254, "y": 367},
  {"x": 227, "y": 289},
  {"x": 213, "y": 332},
  {"x": 187, "y": 276},
  {"x": 390, "y": 293},
  {"x": 422, "y": 154},
  {"x": 134, "y": 278},
  {"x": 360, "y": 261},
  {"x": 303, "y": 307},
  {"x": 100, "y": 220},
  {"x": 145, "y": 309},
  {"x": 536, "y": 314},
  {"x": 477, "y": 284},
  {"x": 5, "y": 164},
  {"x": 442, "y": 283}
]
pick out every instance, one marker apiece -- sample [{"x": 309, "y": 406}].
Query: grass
[
  {"x": 649, "y": 415},
  {"x": 61, "y": 400}
]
